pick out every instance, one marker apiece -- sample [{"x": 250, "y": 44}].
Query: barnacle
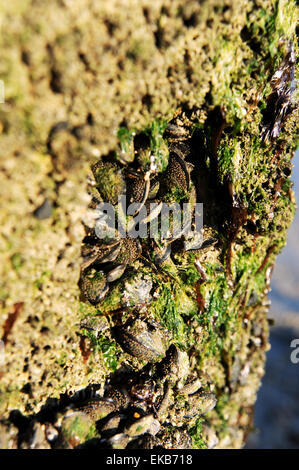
[
  {"x": 108, "y": 264},
  {"x": 94, "y": 285},
  {"x": 136, "y": 186},
  {"x": 142, "y": 340},
  {"x": 159, "y": 404},
  {"x": 137, "y": 410},
  {"x": 280, "y": 101},
  {"x": 177, "y": 173},
  {"x": 148, "y": 187},
  {"x": 109, "y": 181}
]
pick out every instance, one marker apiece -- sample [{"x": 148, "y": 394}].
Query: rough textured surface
[
  {"x": 75, "y": 73},
  {"x": 279, "y": 385}
]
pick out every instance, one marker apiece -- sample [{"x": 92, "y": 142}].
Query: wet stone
[
  {"x": 97, "y": 408},
  {"x": 44, "y": 211},
  {"x": 141, "y": 426},
  {"x": 119, "y": 441},
  {"x": 75, "y": 428}
]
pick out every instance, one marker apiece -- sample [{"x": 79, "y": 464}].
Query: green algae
[
  {"x": 232, "y": 72},
  {"x": 196, "y": 434}
]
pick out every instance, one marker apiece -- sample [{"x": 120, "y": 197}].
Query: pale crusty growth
[{"x": 75, "y": 73}]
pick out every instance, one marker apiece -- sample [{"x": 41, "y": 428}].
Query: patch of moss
[
  {"x": 78, "y": 429},
  {"x": 16, "y": 261},
  {"x": 126, "y": 140},
  {"x": 165, "y": 310},
  {"x": 108, "y": 348},
  {"x": 196, "y": 434},
  {"x": 38, "y": 283}
]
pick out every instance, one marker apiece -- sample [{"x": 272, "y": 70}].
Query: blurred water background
[{"x": 277, "y": 407}]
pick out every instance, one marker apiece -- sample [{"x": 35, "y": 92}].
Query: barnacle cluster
[
  {"x": 125, "y": 271},
  {"x": 141, "y": 182},
  {"x": 144, "y": 409},
  {"x": 206, "y": 68},
  {"x": 149, "y": 409},
  {"x": 166, "y": 391},
  {"x": 280, "y": 102}
]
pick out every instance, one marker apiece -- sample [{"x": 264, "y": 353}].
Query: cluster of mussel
[
  {"x": 157, "y": 406},
  {"x": 106, "y": 258},
  {"x": 152, "y": 408}
]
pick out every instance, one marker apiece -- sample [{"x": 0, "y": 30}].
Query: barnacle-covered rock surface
[{"x": 123, "y": 342}]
